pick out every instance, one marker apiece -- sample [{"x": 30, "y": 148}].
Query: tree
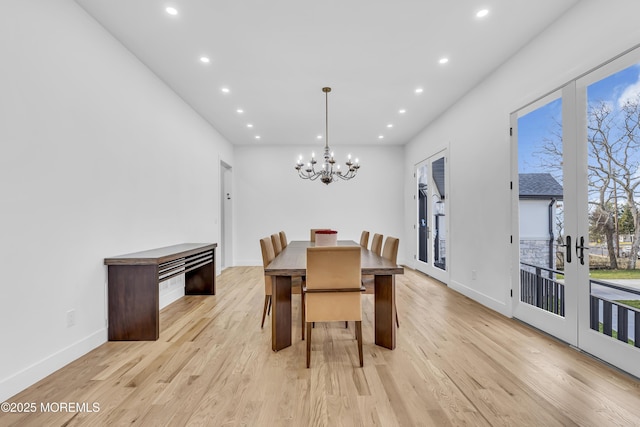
[
  {"x": 628, "y": 162},
  {"x": 613, "y": 171},
  {"x": 602, "y": 194},
  {"x": 626, "y": 223},
  {"x": 601, "y": 224},
  {"x": 614, "y": 159}
]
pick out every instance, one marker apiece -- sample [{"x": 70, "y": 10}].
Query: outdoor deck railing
[
  {"x": 539, "y": 287},
  {"x": 615, "y": 315}
]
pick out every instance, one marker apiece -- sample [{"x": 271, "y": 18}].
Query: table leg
[
  {"x": 133, "y": 303},
  {"x": 385, "y": 307},
  {"x": 281, "y": 313},
  {"x": 202, "y": 280}
]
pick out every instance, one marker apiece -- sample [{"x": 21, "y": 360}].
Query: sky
[{"x": 539, "y": 124}]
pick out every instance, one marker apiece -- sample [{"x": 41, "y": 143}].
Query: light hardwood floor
[{"x": 456, "y": 363}]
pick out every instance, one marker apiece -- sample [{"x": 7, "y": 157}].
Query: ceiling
[{"x": 274, "y": 57}]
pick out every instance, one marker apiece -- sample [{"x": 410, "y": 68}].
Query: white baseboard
[
  {"x": 170, "y": 296},
  {"x": 483, "y": 299},
  {"x": 30, "y": 375},
  {"x": 247, "y": 263}
]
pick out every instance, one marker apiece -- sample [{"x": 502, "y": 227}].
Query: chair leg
[
  {"x": 397, "y": 323},
  {"x": 346, "y": 324},
  {"x": 303, "y": 315},
  {"x": 267, "y": 303},
  {"x": 359, "y": 337},
  {"x": 308, "y": 344}
]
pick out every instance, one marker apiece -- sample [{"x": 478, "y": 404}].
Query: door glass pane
[
  {"x": 540, "y": 207},
  {"x": 423, "y": 209},
  {"x": 439, "y": 226},
  {"x": 613, "y": 138}
]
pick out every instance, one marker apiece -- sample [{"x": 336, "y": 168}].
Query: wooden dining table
[{"x": 292, "y": 262}]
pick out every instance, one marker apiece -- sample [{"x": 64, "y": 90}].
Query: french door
[
  {"x": 432, "y": 216},
  {"x": 609, "y": 307},
  {"x": 576, "y": 175},
  {"x": 545, "y": 294}
]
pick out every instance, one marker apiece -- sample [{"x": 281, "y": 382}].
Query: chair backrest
[
  {"x": 267, "y": 256},
  {"x": 390, "y": 249},
  {"x": 376, "y": 244},
  {"x": 364, "y": 239},
  {"x": 283, "y": 239},
  {"x": 333, "y": 267},
  {"x": 267, "y": 251},
  {"x": 277, "y": 246}
]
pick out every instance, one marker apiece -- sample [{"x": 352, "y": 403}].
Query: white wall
[
  {"x": 477, "y": 128},
  {"x": 99, "y": 158},
  {"x": 270, "y": 197}
]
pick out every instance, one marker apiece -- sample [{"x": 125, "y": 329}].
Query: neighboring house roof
[
  {"x": 438, "y": 176},
  {"x": 539, "y": 186}
]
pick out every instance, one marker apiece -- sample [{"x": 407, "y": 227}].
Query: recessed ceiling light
[
  {"x": 249, "y": 125},
  {"x": 482, "y": 13},
  {"x": 402, "y": 111},
  {"x": 172, "y": 11},
  {"x": 380, "y": 136},
  {"x": 239, "y": 111},
  {"x": 390, "y": 125},
  {"x": 257, "y": 136},
  {"x": 419, "y": 90},
  {"x": 319, "y": 137},
  {"x": 204, "y": 59},
  {"x": 225, "y": 90},
  {"x": 443, "y": 60}
]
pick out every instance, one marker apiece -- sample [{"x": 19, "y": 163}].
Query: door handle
[
  {"x": 568, "y": 251},
  {"x": 580, "y": 249}
]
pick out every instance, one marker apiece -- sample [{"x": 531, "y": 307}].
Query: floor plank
[{"x": 456, "y": 363}]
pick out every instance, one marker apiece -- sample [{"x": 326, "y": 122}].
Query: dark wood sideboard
[{"x": 134, "y": 286}]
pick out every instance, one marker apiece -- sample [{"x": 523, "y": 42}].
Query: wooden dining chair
[
  {"x": 283, "y": 239},
  {"x": 332, "y": 290},
  {"x": 390, "y": 249},
  {"x": 364, "y": 239},
  {"x": 266, "y": 246},
  {"x": 277, "y": 243},
  {"x": 268, "y": 255},
  {"x": 390, "y": 252},
  {"x": 376, "y": 244}
]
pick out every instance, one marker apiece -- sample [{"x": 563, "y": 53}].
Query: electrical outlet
[{"x": 71, "y": 318}]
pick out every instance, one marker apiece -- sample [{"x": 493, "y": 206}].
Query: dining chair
[
  {"x": 390, "y": 252},
  {"x": 364, "y": 239},
  {"x": 277, "y": 243},
  {"x": 283, "y": 239},
  {"x": 390, "y": 249},
  {"x": 376, "y": 244},
  {"x": 266, "y": 246},
  {"x": 268, "y": 255},
  {"x": 332, "y": 290}
]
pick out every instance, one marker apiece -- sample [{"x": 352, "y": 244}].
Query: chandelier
[{"x": 329, "y": 171}]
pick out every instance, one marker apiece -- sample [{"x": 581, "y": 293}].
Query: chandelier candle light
[{"x": 328, "y": 173}]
